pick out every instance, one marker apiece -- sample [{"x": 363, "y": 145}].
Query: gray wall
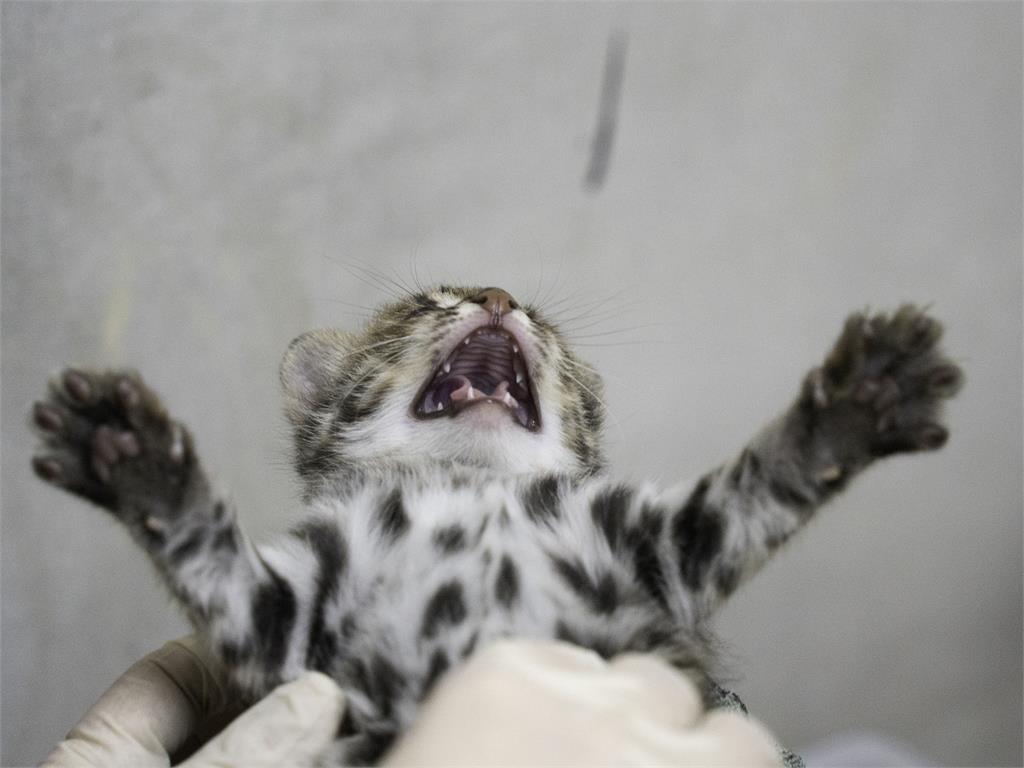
[{"x": 187, "y": 187}]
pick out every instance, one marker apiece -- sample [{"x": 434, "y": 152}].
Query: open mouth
[{"x": 486, "y": 367}]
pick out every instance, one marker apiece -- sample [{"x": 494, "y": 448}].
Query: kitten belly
[{"x": 463, "y": 568}]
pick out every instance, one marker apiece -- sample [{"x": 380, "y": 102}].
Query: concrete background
[{"x": 187, "y": 187}]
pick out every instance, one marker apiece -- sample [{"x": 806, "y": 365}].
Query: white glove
[
  {"x": 176, "y": 697},
  {"x": 515, "y": 702},
  {"x": 541, "y": 703}
]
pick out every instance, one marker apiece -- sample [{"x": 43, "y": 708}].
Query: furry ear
[{"x": 311, "y": 367}]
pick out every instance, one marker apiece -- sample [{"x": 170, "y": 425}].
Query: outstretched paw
[
  {"x": 106, "y": 436},
  {"x": 881, "y": 387}
]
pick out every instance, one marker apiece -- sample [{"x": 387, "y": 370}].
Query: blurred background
[{"x": 700, "y": 192}]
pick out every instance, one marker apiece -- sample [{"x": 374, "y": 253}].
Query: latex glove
[
  {"x": 515, "y": 702},
  {"x": 553, "y": 704},
  {"x": 176, "y": 697}
]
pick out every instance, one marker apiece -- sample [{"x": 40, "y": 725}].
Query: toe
[
  {"x": 128, "y": 394},
  {"x": 47, "y": 417},
  {"x": 77, "y": 387},
  {"x": 47, "y": 468},
  {"x": 945, "y": 381}
]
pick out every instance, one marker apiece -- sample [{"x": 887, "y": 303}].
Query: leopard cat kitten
[{"x": 456, "y": 494}]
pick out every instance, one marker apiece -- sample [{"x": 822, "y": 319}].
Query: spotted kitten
[{"x": 456, "y": 493}]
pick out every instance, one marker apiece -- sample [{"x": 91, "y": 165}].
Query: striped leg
[
  {"x": 106, "y": 437},
  {"x": 878, "y": 393}
]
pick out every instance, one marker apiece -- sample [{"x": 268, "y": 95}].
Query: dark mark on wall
[{"x": 607, "y": 112}]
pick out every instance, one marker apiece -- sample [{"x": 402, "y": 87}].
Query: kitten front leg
[
  {"x": 879, "y": 392},
  {"x": 107, "y": 438}
]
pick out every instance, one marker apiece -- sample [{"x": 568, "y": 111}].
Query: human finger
[{"x": 293, "y": 725}]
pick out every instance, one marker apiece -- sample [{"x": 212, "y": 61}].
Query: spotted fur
[{"x": 426, "y": 539}]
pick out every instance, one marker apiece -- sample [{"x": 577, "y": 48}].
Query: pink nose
[{"x": 496, "y": 301}]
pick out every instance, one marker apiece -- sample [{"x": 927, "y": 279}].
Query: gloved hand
[
  {"x": 521, "y": 702},
  {"x": 176, "y": 698},
  {"x": 515, "y": 702}
]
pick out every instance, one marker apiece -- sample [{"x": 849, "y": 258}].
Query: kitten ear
[{"x": 311, "y": 367}]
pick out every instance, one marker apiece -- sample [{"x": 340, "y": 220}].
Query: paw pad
[
  {"x": 882, "y": 385},
  {"x": 106, "y": 437}
]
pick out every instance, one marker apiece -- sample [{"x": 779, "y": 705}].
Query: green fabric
[{"x": 725, "y": 699}]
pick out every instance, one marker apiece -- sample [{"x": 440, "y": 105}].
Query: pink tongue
[
  {"x": 466, "y": 391},
  {"x": 462, "y": 391}
]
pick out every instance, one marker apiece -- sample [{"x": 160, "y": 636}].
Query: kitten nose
[{"x": 496, "y": 301}]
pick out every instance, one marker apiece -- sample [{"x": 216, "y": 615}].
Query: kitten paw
[
  {"x": 881, "y": 387},
  {"x": 106, "y": 437}
]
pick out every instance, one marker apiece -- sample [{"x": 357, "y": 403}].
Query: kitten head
[{"x": 463, "y": 376}]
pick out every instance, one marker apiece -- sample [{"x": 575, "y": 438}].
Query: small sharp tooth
[
  {"x": 447, "y": 366},
  {"x": 466, "y": 342},
  {"x": 471, "y": 394},
  {"x": 520, "y": 370},
  {"x": 515, "y": 348},
  {"x": 510, "y": 401},
  {"x": 523, "y": 415},
  {"x": 440, "y": 407}
]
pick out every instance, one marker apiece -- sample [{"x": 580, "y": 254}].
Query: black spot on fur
[
  {"x": 273, "y": 615},
  {"x": 439, "y": 664},
  {"x": 642, "y": 540},
  {"x": 447, "y": 606},
  {"x": 601, "y": 646},
  {"x": 606, "y": 594},
  {"x": 697, "y": 536},
  {"x": 379, "y": 680},
  {"x": 540, "y": 499},
  {"x": 653, "y": 637},
  {"x": 187, "y": 548},
  {"x": 788, "y": 495},
  {"x": 329, "y": 547},
  {"x": 347, "y": 726},
  {"x": 387, "y": 683},
  {"x": 609, "y": 509},
  {"x": 503, "y": 517},
  {"x": 753, "y": 465},
  {"x": 394, "y": 522},
  {"x": 368, "y": 748},
  {"x": 225, "y": 540},
  {"x": 234, "y": 654},
  {"x": 600, "y": 595},
  {"x": 347, "y": 627},
  {"x": 565, "y": 633},
  {"x": 470, "y": 645},
  {"x": 506, "y": 587},
  {"x": 727, "y": 579},
  {"x": 450, "y": 539}
]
